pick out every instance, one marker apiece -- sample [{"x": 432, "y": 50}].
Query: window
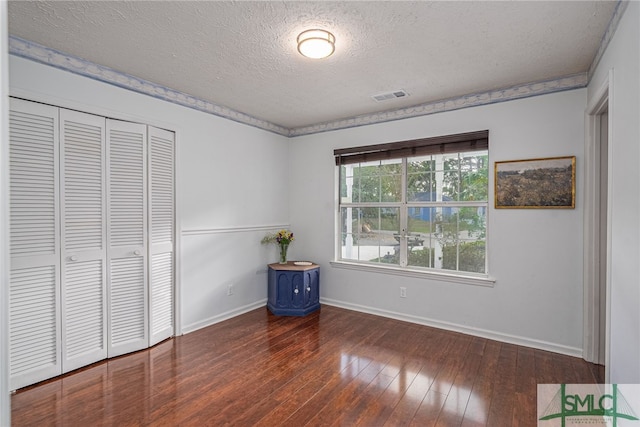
[{"x": 418, "y": 204}]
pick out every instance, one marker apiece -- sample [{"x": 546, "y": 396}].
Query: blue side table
[{"x": 294, "y": 290}]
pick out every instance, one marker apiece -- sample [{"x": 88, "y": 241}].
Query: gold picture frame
[{"x": 545, "y": 183}]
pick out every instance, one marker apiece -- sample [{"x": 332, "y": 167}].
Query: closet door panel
[
  {"x": 83, "y": 200},
  {"x": 127, "y": 296},
  {"x": 161, "y": 297},
  {"x": 34, "y": 246},
  {"x": 84, "y": 336},
  {"x": 162, "y": 232},
  {"x": 127, "y": 236}
]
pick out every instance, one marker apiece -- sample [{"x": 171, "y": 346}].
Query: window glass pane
[
  {"x": 350, "y": 226},
  {"x": 391, "y": 180},
  {"x": 349, "y": 220},
  {"x": 450, "y": 177},
  {"x": 368, "y": 234},
  {"x": 369, "y": 189},
  {"x": 346, "y": 183},
  {"x": 380, "y": 225},
  {"x": 391, "y": 188},
  {"x": 474, "y": 176},
  {"x": 359, "y": 172},
  {"x": 420, "y": 179},
  {"x": 462, "y": 235},
  {"x": 421, "y": 238},
  {"x": 376, "y": 182},
  {"x": 366, "y": 182},
  {"x": 448, "y": 237},
  {"x": 389, "y": 221},
  {"x": 391, "y": 167}
]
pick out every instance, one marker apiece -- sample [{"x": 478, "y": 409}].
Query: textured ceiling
[{"x": 242, "y": 55}]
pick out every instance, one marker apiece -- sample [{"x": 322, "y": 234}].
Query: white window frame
[{"x": 402, "y": 268}]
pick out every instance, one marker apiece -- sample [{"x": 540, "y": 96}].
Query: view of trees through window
[{"x": 426, "y": 212}]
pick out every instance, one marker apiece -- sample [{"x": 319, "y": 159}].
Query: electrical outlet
[
  {"x": 403, "y": 292},
  {"x": 230, "y": 289}
]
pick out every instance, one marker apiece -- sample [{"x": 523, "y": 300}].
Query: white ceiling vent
[{"x": 390, "y": 95}]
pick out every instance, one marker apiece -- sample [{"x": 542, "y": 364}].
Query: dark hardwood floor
[{"x": 332, "y": 368}]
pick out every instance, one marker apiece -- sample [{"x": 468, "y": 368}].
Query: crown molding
[
  {"x": 574, "y": 81},
  {"x": 621, "y": 7},
  {"x": 42, "y": 54}
]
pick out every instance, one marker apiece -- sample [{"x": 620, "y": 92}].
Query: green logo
[{"x": 610, "y": 407}]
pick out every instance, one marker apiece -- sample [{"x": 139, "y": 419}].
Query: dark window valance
[{"x": 461, "y": 142}]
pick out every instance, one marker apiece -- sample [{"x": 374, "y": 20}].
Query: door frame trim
[{"x": 600, "y": 102}]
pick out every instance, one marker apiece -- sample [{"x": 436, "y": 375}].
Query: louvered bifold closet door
[
  {"x": 34, "y": 286},
  {"x": 162, "y": 231},
  {"x": 83, "y": 200},
  {"x": 127, "y": 236}
]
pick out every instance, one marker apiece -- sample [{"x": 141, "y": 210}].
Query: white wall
[
  {"x": 534, "y": 255},
  {"x": 229, "y": 187},
  {"x": 623, "y": 57}
]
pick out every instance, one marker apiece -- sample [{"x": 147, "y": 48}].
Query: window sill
[{"x": 477, "y": 280}]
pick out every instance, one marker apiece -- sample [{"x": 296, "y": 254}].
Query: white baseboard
[
  {"x": 223, "y": 316},
  {"x": 483, "y": 333}
]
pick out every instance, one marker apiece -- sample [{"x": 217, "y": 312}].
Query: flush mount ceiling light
[{"x": 316, "y": 44}]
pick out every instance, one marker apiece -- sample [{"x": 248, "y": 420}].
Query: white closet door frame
[
  {"x": 162, "y": 220},
  {"x": 84, "y": 238},
  {"x": 127, "y": 237},
  {"x": 34, "y": 284}
]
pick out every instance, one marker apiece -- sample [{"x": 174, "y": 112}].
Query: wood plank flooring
[{"x": 332, "y": 368}]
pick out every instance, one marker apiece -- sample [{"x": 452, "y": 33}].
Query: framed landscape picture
[{"x": 536, "y": 183}]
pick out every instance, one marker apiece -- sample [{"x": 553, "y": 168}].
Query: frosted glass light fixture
[{"x": 316, "y": 44}]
